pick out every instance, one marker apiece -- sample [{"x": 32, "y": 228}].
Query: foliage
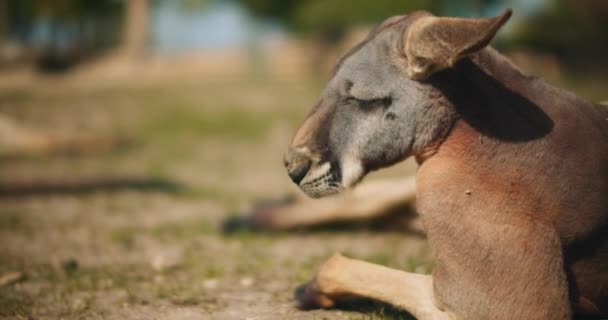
[
  {"x": 65, "y": 29},
  {"x": 323, "y": 14},
  {"x": 328, "y": 15},
  {"x": 570, "y": 28},
  {"x": 65, "y": 9},
  {"x": 274, "y": 9}
]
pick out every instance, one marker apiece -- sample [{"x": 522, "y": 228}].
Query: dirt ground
[
  {"x": 207, "y": 148},
  {"x": 203, "y": 149}
]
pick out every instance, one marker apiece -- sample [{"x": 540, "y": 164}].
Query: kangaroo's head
[{"x": 378, "y": 108}]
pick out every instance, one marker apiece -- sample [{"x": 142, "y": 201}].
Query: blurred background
[{"x": 130, "y": 128}]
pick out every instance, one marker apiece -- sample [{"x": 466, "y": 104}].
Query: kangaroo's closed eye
[{"x": 369, "y": 103}]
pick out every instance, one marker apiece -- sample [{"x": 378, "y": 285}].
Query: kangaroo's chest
[{"x": 560, "y": 180}]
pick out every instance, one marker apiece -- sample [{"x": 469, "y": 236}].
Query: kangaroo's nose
[{"x": 297, "y": 164}]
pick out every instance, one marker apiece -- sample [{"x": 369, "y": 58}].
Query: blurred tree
[
  {"x": 136, "y": 27},
  {"x": 575, "y": 30},
  {"x": 273, "y": 9},
  {"x": 327, "y": 21},
  {"x": 335, "y": 15},
  {"x": 26, "y": 14},
  {"x": 191, "y": 5},
  {"x": 3, "y": 21},
  {"x": 332, "y": 17},
  {"x": 73, "y": 9},
  {"x": 60, "y": 32}
]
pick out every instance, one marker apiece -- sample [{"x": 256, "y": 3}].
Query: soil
[{"x": 200, "y": 150}]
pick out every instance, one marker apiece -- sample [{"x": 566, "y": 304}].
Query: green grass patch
[
  {"x": 182, "y": 230},
  {"x": 125, "y": 236},
  {"x": 13, "y": 221},
  {"x": 16, "y": 95},
  {"x": 235, "y": 124}
]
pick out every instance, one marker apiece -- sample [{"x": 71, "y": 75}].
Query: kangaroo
[{"x": 512, "y": 179}]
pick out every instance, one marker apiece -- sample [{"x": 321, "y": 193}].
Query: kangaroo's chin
[
  {"x": 352, "y": 172},
  {"x": 327, "y": 179},
  {"x": 322, "y": 191},
  {"x": 322, "y": 180}
]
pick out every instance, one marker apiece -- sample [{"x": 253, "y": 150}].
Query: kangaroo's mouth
[
  {"x": 322, "y": 180},
  {"x": 330, "y": 178}
]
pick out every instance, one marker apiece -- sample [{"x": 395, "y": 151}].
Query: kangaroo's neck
[
  {"x": 502, "y": 69},
  {"x": 489, "y": 98},
  {"x": 490, "y": 95}
]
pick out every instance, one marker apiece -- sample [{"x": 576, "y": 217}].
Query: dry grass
[
  {"x": 138, "y": 253},
  {"x": 156, "y": 252}
]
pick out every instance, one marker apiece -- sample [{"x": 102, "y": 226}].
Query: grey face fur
[{"x": 371, "y": 114}]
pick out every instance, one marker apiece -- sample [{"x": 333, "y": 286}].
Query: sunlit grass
[{"x": 170, "y": 124}]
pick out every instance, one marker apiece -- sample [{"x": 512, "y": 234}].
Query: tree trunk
[
  {"x": 136, "y": 27},
  {"x": 3, "y": 21}
]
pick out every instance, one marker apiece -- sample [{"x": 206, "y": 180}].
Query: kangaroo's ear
[{"x": 436, "y": 43}]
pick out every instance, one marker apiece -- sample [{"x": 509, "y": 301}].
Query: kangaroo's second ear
[{"x": 436, "y": 43}]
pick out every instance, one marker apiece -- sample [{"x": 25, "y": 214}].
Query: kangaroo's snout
[{"x": 298, "y": 164}]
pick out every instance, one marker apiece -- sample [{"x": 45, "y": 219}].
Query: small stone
[
  {"x": 79, "y": 305},
  {"x": 210, "y": 283},
  {"x": 159, "y": 279},
  {"x": 10, "y": 278},
  {"x": 467, "y": 192},
  {"x": 106, "y": 283},
  {"x": 246, "y": 282},
  {"x": 167, "y": 260}
]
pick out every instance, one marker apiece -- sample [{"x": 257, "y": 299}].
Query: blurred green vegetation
[
  {"x": 333, "y": 16},
  {"x": 573, "y": 30},
  {"x": 67, "y": 9},
  {"x": 59, "y": 33}
]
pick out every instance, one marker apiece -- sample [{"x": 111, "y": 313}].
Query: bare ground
[
  {"x": 207, "y": 148},
  {"x": 154, "y": 251}
]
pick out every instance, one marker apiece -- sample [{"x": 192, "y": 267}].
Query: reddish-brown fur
[
  {"x": 512, "y": 185},
  {"x": 542, "y": 203}
]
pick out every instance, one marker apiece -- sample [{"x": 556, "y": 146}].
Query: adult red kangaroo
[{"x": 512, "y": 184}]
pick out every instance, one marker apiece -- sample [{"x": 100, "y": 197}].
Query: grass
[
  {"x": 232, "y": 124},
  {"x": 169, "y": 124},
  {"x": 14, "y": 303},
  {"x": 178, "y": 128},
  {"x": 13, "y": 221},
  {"x": 125, "y": 236}
]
